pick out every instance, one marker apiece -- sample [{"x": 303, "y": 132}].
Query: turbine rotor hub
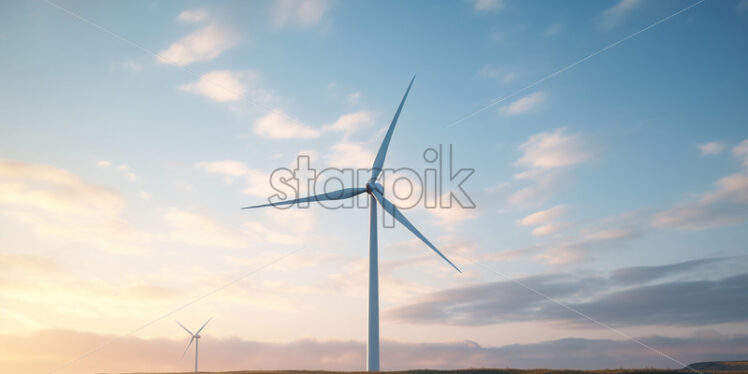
[{"x": 374, "y": 186}]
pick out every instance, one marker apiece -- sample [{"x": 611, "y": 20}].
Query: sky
[{"x": 606, "y": 162}]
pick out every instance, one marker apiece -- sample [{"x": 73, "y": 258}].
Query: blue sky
[{"x": 126, "y": 153}]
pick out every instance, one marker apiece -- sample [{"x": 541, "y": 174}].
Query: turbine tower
[
  {"x": 194, "y": 337},
  {"x": 376, "y": 194}
]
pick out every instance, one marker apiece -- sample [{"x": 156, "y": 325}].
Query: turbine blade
[
  {"x": 185, "y": 329},
  {"x": 201, "y": 329},
  {"x": 334, "y": 195},
  {"x": 188, "y": 346},
  {"x": 376, "y": 168},
  {"x": 392, "y": 210}
]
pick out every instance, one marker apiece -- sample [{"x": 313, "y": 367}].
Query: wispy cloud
[
  {"x": 299, "y": 13},
  {"x": 616, "y": 14},
  {"x": 545, "y": 155},
  {"x": 725, "y": 204},
  {"x": 193, "y": 15},
  {"x": 220, "y": 86},
  {"x": 351, "y": 122},
  {"x": 550, "y": 150},
  {"x": 494, "y": 72},
  {"x": 487, "y": 5},
  {"x": 711, "y": 148},
  {"x": 653, "y": 301},
  {"x": 277, "y": 125},
  {"x": 524, "y": 104},
  {"x": 205, "y": 44},
  {"x": 135, "y": 354}
]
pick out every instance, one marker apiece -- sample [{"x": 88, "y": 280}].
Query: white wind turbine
[
  {"x": 194, "y": 337},
  {"x": 376, "y": 193}
]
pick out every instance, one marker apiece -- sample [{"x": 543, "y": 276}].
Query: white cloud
[
  {"x": 549, "y": 150},
  {"x": 256, "y": 181},
  {"x": 553, "y": 29},
  {"x": 125, "y": 169},
  {"x": 221, "y": 86},
  {"x": 487, "y": 5},
  {"x": 231, "y": 168},
  {"x": 196, "y": 229},
  {"x": 63, "y": 209},
  {"x": 193, "y": 15},
  {"x": 525, "y": 104},
  {"x": 300, "y": 13},
  {"x": 353, "y": 98},
  {"x": 544, "y": 216},
  {"x": 104, "y": 163},
  {"x": 726, "y": 204},
  {"x": 741, "y": 152},
  {"x": 204, "y": 44},
  {"x": 616, "y": 14},
  {"x": 494, "y": 72},
  {"x": 349, "y": 123},
  {"x": 132, "y": 66},
  {"x": 277, "y": 125},
  {"x": 711, "y": 148},
  {"x": 544, "y": 154}
]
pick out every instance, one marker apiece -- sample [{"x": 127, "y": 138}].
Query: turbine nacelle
[{"x": 372, "y": 186}]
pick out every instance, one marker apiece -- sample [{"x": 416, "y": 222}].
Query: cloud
[
  {"x": 134, "y": 354},
  {"x": 553, "y": 29},
  {"x": 230, "y": 168},
  {"x": 741, "y": 152},
  {"x": 606, "y": 299},
  {"x": 644, "y": 274},
  {"x": 711, "y": 148},
  {"x": 193, "y": 15},
  {"x": 205, "y": 44},
  {"x": 256, "y": 181},
  {"x": 544, "y": 216},
  {"x": 104, "y": 164},
  {"x": 550, "y": 150},
  {"x": 616, "y": 14},
  {"x": 545, "y": 154},
  {"x": 277, "y": 125},
  {"x": 221, "y": 85},
  {"x": 350, "y": 123},
  {"x": 54, "y": 190},
  {"x": 64, "y": 210},
  {"x": 132, "y": 66},
  {"x": 500, "y": 73},
  {"x": 299, "y": 13},
  {"x": 525, "y": 104},
  {"x": 28, "y": 264},
  {"x": 487, "y": 5},
  {"x": 726, "y": 204},
  {"x": 546, "y": 220},
  {"x": 353, "y": 98},
  {"x": 196, "y": 229}
]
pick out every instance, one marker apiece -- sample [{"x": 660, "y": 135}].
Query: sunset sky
[{"x": 132, "y": 132}]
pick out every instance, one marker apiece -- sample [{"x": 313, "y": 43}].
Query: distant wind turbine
[
  {"x": 376, "y": 193},
  {"x": 194, "y": 337}
]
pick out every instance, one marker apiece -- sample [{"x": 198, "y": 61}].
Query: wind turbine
[
  {"x": 194, "y": 337},
  {"x": 376, "y": 193}
]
